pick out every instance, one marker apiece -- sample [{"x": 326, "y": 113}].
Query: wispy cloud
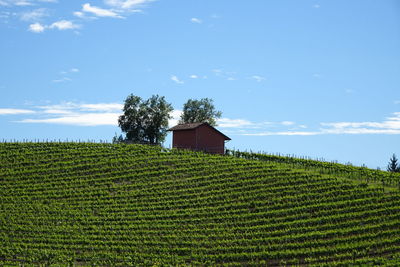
[
  {"x": 64, "y": 74},
  {"x": 16, "y": 3},
  {"x": 390, "y": 125},
  {"x": 90, "y": 119},
  {"x": 316, "y": 6},
  {"x": 34, "y": 15},
  {"x": 288, "y": 123},
  {"x": 13, "y": 111},
  {"x": 193, "y": 76},
  {"x": 115, "y": 8},
  {"x": 61, "y": 80},
  {"x": 257, "y": 78},
  {"x": 196, "y": 20},
  {"x": 176, "y": 79},
  {"x": 397, "y": 102},
  {"x": 24, "y": 3},
  {"x": 228, "y": 75},
  {"x": 109, "y": 107},
  {"x": 233, "y": 123},
  {"x": 286, "y": 133},
  {"x": 60, "y": 25},
  {"x": 64, "y": 25},
  {"x": 132, "y": 5},
  {"x": 70, "y": 113},
  {"x": 100, "y": 12},
  {"x": 77, "y": 114},
  {"x": 36, "y": 27}
]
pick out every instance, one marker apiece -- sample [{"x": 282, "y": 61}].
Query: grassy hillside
[{"x": 85, "y": 204}]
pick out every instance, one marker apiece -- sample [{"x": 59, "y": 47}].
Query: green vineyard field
[{"x": 88, "y": 204}]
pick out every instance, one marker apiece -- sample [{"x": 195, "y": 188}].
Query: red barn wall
[
  {"x": 210, "y": 140},
  {"x": 184, "y": 139}
]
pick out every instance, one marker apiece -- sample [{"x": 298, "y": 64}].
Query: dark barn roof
[{"x": 192, "y": 126}]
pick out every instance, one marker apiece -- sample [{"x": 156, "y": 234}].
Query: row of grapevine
[
  {"x": 121, "y": 205},
  {"x": 383, "y": 178}
]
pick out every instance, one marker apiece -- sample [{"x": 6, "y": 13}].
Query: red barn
[{"x": 198, "y": 136}]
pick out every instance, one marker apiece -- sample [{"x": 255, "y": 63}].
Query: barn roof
[{"x": 192, "y": 126}]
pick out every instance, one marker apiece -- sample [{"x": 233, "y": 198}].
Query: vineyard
[{"x": 80, "y": 204}]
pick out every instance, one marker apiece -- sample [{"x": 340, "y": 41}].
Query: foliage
[
  {"x": 145, "y": 121},
  {"x": 393, "y": 165},
  {"x": 347, "y": 171},
  {"x": 93, "y": 204},
  {"x": 117, "y": 139},
  {"x": 202, "y": 110}
]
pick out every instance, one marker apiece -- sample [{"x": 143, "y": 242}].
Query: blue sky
[{"x": 312, "y": 78}]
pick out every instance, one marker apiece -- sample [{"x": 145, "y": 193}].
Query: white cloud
[
  {"x": 36, "y": 27},
  {"x": 127, "y": 4},
  {"x": 64, "y": 73},
  {"x": 70, "y": 113},
  {"x": 100, "y": 12},
  {"x": 228, "y": 75},
  {"x": 87, "y": 119},
  {"x": 109, "y": 107},
  {"x": 176, "y": 116},
  {"x": 196, "y": 20},
  {"x": 390, "y": 125},
  {"x": 75, "y": 107},
  {"x": 79, "y": 14},
  {"x": 176, "y": 79},
  {"x": 217, "y": 71},
  {"x": 61, "y": 80},
  {"x": 60, "y": 25},
  {"x": 233, "y": 123},
  {"x": 193, "y": 76},
  {"x": 35, "y": 14},
  {"x": 287, "y": 123},
  {"x": 13, "y": 111},
  {"x": 286, "y": 133},
  {"x": 64, "y": 25},
  {"x": 257, "y": 78},
  {"x": 22, "y": 3},
  {"x": 16, "y": 3},
  {"x": 97, "y": 114},
  {"x": 57, "y": 111}
]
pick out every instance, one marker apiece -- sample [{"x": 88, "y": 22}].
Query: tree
[
  {"x": 202, "y": 110},
  {"x": 145, "y": 121},
  {"x": 393, "y": 166},
  {"x": 117, "y": 139}
]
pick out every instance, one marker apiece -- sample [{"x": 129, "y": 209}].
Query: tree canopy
[
  {"x": 202, "y": 110},
  {"x": 145, "y": 121},
  {"x": 393, "y": 166}
]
